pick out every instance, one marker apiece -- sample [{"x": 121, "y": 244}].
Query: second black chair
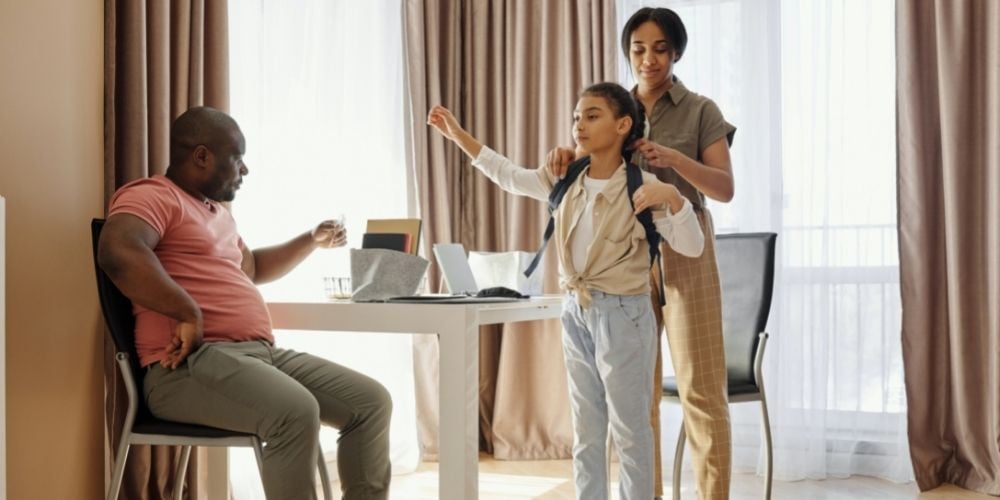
[{"x": 746, "y": 275}]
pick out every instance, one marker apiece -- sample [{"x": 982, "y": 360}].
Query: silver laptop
[{"x": 457, "y": 276}]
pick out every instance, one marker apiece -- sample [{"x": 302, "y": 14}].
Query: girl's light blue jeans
[{"x": 610, "y": 351}]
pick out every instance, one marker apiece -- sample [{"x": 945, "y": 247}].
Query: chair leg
[
  {"x": 119, "y": 468},
  {"x": 678, "y": 460},
  {"x": 609, "y": 444},
  {"x": 324, "y": 476},
  {"x": 258, "y": 452},
  {"x": 768, "y": 456},
  {"x": 181, "y": 473}
]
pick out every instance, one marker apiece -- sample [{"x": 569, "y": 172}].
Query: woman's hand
[
  {"x": 656, "y": 193},
  {"x": 558, "y": 160},
  {"x": 445, "y": 123},
  {"x": 712, "y": 175},
  {"x": 657, "y": 155}
]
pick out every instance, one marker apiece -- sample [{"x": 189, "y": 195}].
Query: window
[
  {"x": 810, "y": 85},
  {"x": 317, "y": 87}
]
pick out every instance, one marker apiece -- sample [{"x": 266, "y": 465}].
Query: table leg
[{"x": 458, "y": 434}]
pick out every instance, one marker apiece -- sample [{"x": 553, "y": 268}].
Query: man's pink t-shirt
[{"x": 201, "y": 250}]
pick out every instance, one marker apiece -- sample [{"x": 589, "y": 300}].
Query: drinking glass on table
[{"x": 337, "y": 287}]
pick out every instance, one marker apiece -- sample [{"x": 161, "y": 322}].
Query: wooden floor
[{"x": 550, "y": 480}]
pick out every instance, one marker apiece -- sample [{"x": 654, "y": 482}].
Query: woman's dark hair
[
  {"x": 668, "y": 21},
  {"x": 622, "y": 104}
]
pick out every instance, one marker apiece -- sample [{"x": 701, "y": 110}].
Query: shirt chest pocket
[
  {"x": 621, "y": 227},
  {"x": 685, "y": 142}
]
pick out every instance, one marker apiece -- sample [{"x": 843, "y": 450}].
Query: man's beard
[{"x": 222, "y": 193}]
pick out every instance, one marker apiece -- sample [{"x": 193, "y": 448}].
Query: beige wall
[{"x": 51, "y": 140}]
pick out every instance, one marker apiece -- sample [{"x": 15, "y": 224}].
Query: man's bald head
[
  {"x": 206, "y": 154},
  {"x": 201, "y": 126}
]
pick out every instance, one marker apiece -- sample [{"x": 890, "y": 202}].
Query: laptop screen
[{"x": 455, "y": 267}]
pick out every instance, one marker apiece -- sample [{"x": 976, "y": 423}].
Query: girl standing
[
  {"x": 686, "y": 145},
  {"x": 609, "y": 335}
]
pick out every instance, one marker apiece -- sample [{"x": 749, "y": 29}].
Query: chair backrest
[
  {"x": 746, "y": 274},
  {"x": 118, "y": 316}
]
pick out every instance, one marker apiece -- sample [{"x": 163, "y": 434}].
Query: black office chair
[
  {"x": 746, "y": 273},
  {"x": 140, "y": 426}
]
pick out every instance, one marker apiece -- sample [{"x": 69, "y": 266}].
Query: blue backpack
[{"x": 633, "y": 182}]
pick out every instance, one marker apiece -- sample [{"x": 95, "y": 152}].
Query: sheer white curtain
[
  {"x": 317, "y": 87},
  {"x": 810, "y": 84}
]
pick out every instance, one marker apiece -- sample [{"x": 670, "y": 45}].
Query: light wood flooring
[{"x": 551, "y": 480}]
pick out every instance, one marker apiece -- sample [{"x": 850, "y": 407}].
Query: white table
[{"x": 457, "y": 327}]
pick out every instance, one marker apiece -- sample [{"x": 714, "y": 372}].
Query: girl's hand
[
  {"x": 445, "y": 123},
  {"x": 657, "y": 193},
  {"x": 441, "y": 119},
  {"x": 657, "y": 155}
]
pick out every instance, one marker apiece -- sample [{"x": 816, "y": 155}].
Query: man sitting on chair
[{"x": 203, "y": 332}]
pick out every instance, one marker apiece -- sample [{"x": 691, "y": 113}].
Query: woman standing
[{"x": 687, "y": 145}]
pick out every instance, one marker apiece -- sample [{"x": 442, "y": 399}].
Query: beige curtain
[
  {"x": 948, "y": 78},
  {"x": 160, "y": 58},
  {"x": 511, "y": 71}
]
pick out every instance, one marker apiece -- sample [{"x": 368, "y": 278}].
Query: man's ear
[{"x": 202, "y": 156}]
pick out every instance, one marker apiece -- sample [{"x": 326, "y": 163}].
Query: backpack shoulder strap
[
  {"x": 634, "y": 182},
  {"x": 555, "y": 198}
]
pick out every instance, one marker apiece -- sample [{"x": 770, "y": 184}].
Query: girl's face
[
  {"x": 595, "y": 127},
  {"x": 651, "y": 56}
]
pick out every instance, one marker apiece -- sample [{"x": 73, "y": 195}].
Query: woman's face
[
  {"x": 651, "y": 56},
  {"x": 595, "y": 127}
]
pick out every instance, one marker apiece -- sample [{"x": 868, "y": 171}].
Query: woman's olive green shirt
[{"x": 689, "y": 123}]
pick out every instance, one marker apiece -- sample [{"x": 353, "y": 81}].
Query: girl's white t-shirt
[{"x": 583, "y": 233}]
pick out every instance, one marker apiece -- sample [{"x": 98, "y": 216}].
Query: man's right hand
[
  {"x": 187, "y": 337},
  {"x": 558, "y": 160}
]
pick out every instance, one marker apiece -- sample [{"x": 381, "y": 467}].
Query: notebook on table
[
  {"x": 409, "y": 227},
  {"x": 458, "y": 276},
  {"x": 388, "y": 241}
]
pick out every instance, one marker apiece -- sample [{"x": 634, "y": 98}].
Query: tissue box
[
  {"x": 506, "y": 269},
  {"x": 378, "y": 274}
]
